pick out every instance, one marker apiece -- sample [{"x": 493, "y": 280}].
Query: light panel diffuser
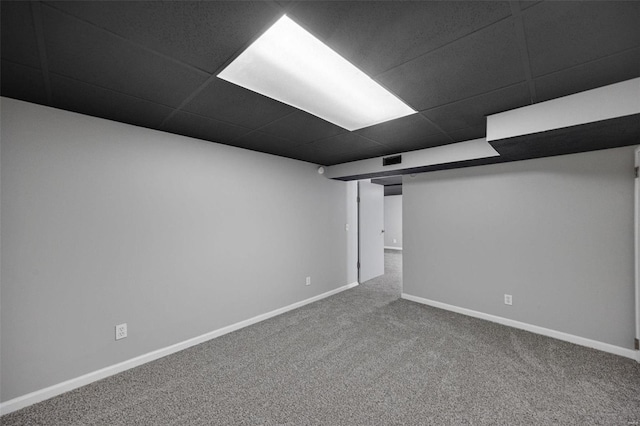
[{"x": 290, "y": 65}]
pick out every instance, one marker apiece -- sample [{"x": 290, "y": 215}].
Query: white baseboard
[
  {"x": 582, "y": 341},
  {"x": 60, "y": 388},
  {"x": 392, "y": 248}
]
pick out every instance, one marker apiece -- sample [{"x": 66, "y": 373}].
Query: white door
[
  {"x": 370, "y": 230},
  {"x": 637, "y": 252}
]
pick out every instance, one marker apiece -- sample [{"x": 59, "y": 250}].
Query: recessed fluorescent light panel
[{"x": 290, "y": 65}]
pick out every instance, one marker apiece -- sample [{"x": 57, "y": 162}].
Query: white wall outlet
[
  {"x": 508, "y": 299},
  {"x": 395, "y": 241},
  {"x": 308, "y": 282},
  {"x": 346, "y": 227},
  {"x": 121, "y": 331}
]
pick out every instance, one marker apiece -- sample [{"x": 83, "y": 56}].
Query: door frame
[
  {"x": 637, "y": 248},
  {"x": 358, "y": 234}
]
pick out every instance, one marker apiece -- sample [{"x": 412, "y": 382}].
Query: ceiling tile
[
  {"x": 469, "y": 134},
  {"x": 83, "y": 52},
  {"x": 263, "y": 142},
  {"x": 527, "y": 4},
  {"x": 455, "y": 62},
  {"x": 302, "y": 127},
  {"x": 393, "y": 180},
  {"x": 565, "y": 34},
  {"x": 24, "y": 83},
  {"x": 377, "y": 36},
  {"x": 605, "y": 71},
  {"x": 225, "y": 101},
  {"x": 195, "y": 126},
  {"x": 344, "y": 142},
  {"x": 481, "y": 62},
  {"x": 339, "y": 149},
  {"x": 204, "y": 34},
  {"x": 427, "y": 142},
  {"x": 322, "y": 158},
  {"x": 363, "y": 154},
  {"x": 18, "y": 37},
  {"x": 319, "y": 154},
  {"x": 87, "y": 99},
  {"x": 409, "y": 129},
  {"x": 472, "y": 112}
]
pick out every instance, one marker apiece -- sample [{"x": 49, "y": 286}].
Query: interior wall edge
[
  {"x": 578, "y": 340},
  {"x": 69, "y": 385}
]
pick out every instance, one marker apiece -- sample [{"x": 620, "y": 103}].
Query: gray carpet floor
[{"x": 362, "y": 357}]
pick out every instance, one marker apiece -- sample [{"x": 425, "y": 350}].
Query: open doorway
[
  {"x": 380, "y": 236},
  {"x": 393, "y": 222},
  {"x": 370, "y": 231}
]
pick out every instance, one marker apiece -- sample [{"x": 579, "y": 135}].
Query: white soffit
[
  {"x": 603, "y": 103},
  {"x": 461, "y": 151},
  {"x": 290, "y": 65}
]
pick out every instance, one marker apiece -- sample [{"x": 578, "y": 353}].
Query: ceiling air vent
[{"x": 389, "y": 161}]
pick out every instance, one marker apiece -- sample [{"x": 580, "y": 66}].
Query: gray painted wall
[
  {"x": 104, "y": 223},
  {"x": 556, "y": 233},
  {"x": 393, "y": 221}
]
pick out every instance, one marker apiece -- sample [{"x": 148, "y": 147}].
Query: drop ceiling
[{"x": 154, "y": 64}]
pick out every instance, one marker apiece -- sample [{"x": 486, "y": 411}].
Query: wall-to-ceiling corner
[
  {"x": 555, "y": 233},
  {"x": 106, "y": 223}
]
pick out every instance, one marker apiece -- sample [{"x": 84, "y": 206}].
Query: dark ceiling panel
[
  {"x": 407, "y": 130},
  {"x": 613, "y": 133},
  {"x": 225, "y": 101},
  {"x": 302, "y": 127},
  {"x": 392, "y": 190},
  {"x": 83, "y": 52},
  {"x": 392, "y": 180},
  {"x": 24, "y": 83},
  {"x": 377, "y": 36},
  {"x": 195, "y": 126},
  {"x": 18, "y": 36},
  {"x": 307, "y": 152},
  {"x": 264, "y": 142},
  {"x": 289, "y": 151},
  {"x": 469, "y": 133},
  {"x": 429, "y": 141},
  {"x": 345, "y": 142},
  {"x": 527, "y": 4},
  {"x": 340, "y": 149},
  {"x": 564, "y": 34},
  {"x": 456, "y": 62},
  {"x": 602, "y": 72},
  {"x": 362, "y": 154},
  {"x": 471, "y": 112},
  {"x": 87, "y": 99},
  {"x": 484, "y": 61},
  {"x": 201, "y": 33}
]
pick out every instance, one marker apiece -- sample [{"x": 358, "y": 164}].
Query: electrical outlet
[
  {"x": 346, "y": 227},
  {"x": 308, "y": 282},
  {"x": 508, "y": 299},
  {"x": 121, "y": 331},
  {"x": 395, "y": 241}
]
